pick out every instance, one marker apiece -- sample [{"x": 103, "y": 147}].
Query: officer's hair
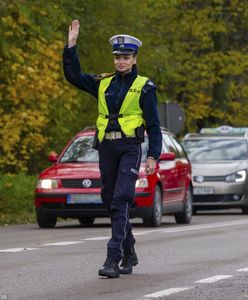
[{"x": 103, "y": 76}]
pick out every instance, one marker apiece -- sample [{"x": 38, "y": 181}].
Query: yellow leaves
[
  {"x": 8, "y": 33},
  {"x": 23, "y": 20},
  {"x": 43, "y": 12},
  {"x": 8, "y": 21}
]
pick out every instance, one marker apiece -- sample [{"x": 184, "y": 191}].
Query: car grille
[
  {"x": 78, "y": 183},
  {"x": 217, "y": 198},
  {"x": 211, "y": 178}
]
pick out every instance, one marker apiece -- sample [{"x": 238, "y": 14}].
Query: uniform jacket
[{"x": 115, "y": 95}]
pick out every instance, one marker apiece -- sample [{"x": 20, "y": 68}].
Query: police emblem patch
[{"x": 120, "y": 40}]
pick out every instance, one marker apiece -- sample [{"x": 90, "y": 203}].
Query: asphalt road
[{"x": 207, "y": 259}]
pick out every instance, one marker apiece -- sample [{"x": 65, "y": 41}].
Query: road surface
[{"x": 207, "y": 259}]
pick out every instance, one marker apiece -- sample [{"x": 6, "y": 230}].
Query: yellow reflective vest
[{"x": 130, "y": 111}]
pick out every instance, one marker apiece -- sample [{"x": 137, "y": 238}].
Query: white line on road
[
  {"x": 213, "y": 279},
  {"x": 194, "y": 227},
  {"x": 13, "y": 250},
  {"x": 166, "y": 292},
  {"x": 64, "y": 243},
  {"x": 243, "y": 270},
  {"x": 98, "y": 238},
  {"x": 206, "y": 226},
  {"x": 143, "y": 232}
]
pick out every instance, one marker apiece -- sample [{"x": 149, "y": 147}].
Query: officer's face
[{"x": 124, "y": 62}]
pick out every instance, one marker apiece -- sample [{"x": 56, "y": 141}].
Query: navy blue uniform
[{"x": 119, "y": 159}]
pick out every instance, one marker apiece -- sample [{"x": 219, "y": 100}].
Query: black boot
[
  {"x": 129, "y": 260},
  {"x": 110, "y": 269}
]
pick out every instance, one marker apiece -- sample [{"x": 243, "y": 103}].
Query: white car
[{"x": 219, "y": 159}]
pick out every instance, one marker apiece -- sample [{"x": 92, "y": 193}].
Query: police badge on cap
[{"x": 124, "y": 44}]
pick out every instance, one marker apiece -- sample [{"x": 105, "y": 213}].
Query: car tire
[
  {"x": 45, "y": 221},
  {"x": 245, "y": 210},
  {"x": 156, "y": 216},
  {"x": 185, "y": 216},
  {"x": 87, "y": 221}
]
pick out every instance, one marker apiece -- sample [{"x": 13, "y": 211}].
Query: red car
[{"x": 71, "y": 186}]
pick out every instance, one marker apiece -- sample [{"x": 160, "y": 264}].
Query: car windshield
[
  {"x": 80, "y": 150},
  {"x": 215, "y": 150}
]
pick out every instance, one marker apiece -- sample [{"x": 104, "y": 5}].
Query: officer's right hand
[{"x": 73, "y": 33}]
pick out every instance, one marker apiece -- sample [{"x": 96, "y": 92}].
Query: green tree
[
  {"x": 200, "y": 57},
  {"x": 37, "y": 108}
]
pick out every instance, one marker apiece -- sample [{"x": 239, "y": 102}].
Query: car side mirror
[
  {"x": 53, "y": 156},
  {"x": 167, "y": 156}
]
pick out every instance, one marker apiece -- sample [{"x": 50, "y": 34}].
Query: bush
[{"x": 17, "y": 198}]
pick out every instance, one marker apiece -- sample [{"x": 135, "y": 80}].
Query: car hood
[
  {"x": 217, "y": 168},
  {"x": 72, "y": 170},
  {"x": 78, "y": 170}
]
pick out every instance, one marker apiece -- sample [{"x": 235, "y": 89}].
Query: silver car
[{"x": 219, "y": 159}]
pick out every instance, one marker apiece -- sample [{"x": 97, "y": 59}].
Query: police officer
[{"x": 127, "y": 103}]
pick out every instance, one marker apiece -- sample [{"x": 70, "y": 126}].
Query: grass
[{"x": 17, "y": 198}]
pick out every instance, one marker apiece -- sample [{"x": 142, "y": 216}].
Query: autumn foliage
[{"x": 194, "y": 51}]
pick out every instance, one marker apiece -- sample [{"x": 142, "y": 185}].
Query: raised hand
[{"x": 73, "y": 33}]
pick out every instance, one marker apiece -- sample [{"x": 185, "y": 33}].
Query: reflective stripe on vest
[{"x": 130, "y": 109}]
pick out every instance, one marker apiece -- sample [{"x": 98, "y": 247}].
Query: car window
[
  {"x": 170, "y": 145},
  {"x": 216, "y": 150},
  {"x": 144, "y": 149},
  {"x": 80, "y": 150},
  {"x": 179, "y": 148},
  {"x": 165, "y": 148}
]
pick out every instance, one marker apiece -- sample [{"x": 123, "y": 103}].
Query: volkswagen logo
[
  {"x": 199, "y": 179},
  {"x": 86, "y": 183}
]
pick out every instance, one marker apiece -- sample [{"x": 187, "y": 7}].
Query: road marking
[
  {"x": 169, "y": 230},
  {"x": 243, "y": 270},
  {"x": 98, "y": 238},
  {"x": 213, "y": 279},
  {"x": 207, "y": 226},
  {"x": 142, "y": 232},
  {"x": 166, "y": 292},
  {"x": 193, "y": 227},
  {"x": 64, "y": 243},
  {"x": 13, "y": 250}
]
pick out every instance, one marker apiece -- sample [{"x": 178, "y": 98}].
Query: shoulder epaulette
[{"x": 148, "y": 86}]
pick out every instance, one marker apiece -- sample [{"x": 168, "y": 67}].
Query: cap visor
[{"x": 127, "y": 51}]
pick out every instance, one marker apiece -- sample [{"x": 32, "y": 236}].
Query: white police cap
[{"x": 124, "y": 44}]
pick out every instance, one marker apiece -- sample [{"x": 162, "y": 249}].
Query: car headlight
[
  {"x": 240, "y": 176},
  {"x": 141, "y": 183},
  {"x": 47, "y": 184}
]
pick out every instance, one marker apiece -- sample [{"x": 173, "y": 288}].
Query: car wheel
[
  {"x": 86, "y": 221},
  {"x": 185, "y": 216},
  {"x": 155, "y": 219},
  {"x": 245, "y": 210},
  {"x": 45, "y": 221}
]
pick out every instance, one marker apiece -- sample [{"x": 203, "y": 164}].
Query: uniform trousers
[{"x": 119, "y": 162}]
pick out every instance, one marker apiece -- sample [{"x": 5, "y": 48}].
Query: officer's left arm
[{"x": 150, "y": 113}]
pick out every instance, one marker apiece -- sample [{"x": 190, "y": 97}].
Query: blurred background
[{"x": 195, "y": 51}]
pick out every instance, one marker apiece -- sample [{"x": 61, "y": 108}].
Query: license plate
[
  {"x": 84, "y": 199},
  {"x": 203, "y": 190}
]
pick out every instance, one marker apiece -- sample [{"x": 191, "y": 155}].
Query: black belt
[{"x": 113, "y": 116}]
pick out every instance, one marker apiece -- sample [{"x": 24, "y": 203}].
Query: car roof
[
  {"x": 222, "y": 132},
  {"x": 190, "y": 136}
]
